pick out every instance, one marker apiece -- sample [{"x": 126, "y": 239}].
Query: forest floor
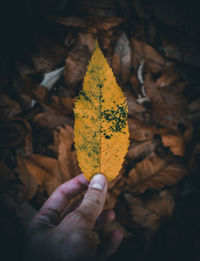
[{"x": 154, "y": 55}]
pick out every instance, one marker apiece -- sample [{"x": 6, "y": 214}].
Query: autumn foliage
[{"x": 101, "y": 128}]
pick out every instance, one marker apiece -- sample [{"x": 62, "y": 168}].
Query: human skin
[{"x": 54, "y": 235}]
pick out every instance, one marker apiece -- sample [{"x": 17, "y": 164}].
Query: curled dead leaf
[{"x": 175, "y": 144}]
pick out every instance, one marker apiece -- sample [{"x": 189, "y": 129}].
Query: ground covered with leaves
[{"x": 155, "y": 59}]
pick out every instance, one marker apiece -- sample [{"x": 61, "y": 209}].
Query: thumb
[{"x": 94, "y": 200}]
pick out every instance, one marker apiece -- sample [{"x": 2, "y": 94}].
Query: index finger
[{"x": 60, "y": 198}]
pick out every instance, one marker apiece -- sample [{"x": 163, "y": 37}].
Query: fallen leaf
[
  {"x": 63, "y": 105},
  {"x": 169, "y": 106},
  {"x": 87, "y": 39},
  {"x": 140, "y": 131},
  {"x": 13, "y": 133},
  {"x": 76, "y": 66},
  {"x": 121, "y": 61},
  {"x": 49, "y": 56},
  {"x": 101, "y": 129},
  {"x": 44, "y": 170},
  {"x": 51, "y": 119},
  {"x": 169, "y": 75},
  {"x": 29, "y": 184},
  {"x": 175, "y": 144},
  {"x": 142, "y": 51},
  {"x": 115, "y": 188},
  {"x": 139, "y": 150},
  {"x": 8, "y": 108},
  {"x": 91, "y": 24},
  {"x": 152, "y": 211},
  {"x": 66, "y": 156},
  {"x": 41, "y": 94},
  {"x": 135, "y": 109},
  {"x": 194, "y": 108},
  {"x": 155, "y": 172}
]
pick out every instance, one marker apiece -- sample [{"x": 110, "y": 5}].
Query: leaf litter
[{"x": 38, "y": 150}]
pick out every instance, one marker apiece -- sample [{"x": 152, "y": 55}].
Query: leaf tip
[{"x": 96, "y": 45}]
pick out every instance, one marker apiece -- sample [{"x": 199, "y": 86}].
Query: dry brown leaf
[
  {"x": 31, "y": 90},
  {"x": 40, "y": 94},
  {"x": 66, "y": 155},
  {"x": 175, "y": 144},
  {"x": 13, "y": 133},
  {"x": 169, "y": 106},
  {"x": 121, "y": 61},
  {"x": 51, "y": 119},
  {"x": 151, "y": 211},
  {"x": 140, "y": 131},
  {"x": 169, "y": 75},
  {"x": 87, "y": 39},
  {"x": 115, "y": 189},
  {"x": 75, "y": 66},
  {"x": 139, "y": 150},
  {"x": 171, "y": 47},
  {"x": 194, "y": 108},
  {"x": 154, "y": 62},
  {"x": 135, "y": 109},
  {"x": 45, "y": 171},
  {"x": 91, "y": 24},
  {"x": 135, "y": 84},
  {"x": 29, "y": 184},
  {"x": 195, "y": 105},
  {"x": 8, "y": 108},
  {"x": 63, "y": 105},
  {"x": 155, "y": 172},
  {"x": 49, "y": 56}
]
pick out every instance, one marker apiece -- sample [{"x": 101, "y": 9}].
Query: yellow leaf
[{"x": 101, "y": 130}]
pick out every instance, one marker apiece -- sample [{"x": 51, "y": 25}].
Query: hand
[{"x": 54, "y": 235}]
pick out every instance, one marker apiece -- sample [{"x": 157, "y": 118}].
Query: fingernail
[{"x": 98, "y": 181}]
